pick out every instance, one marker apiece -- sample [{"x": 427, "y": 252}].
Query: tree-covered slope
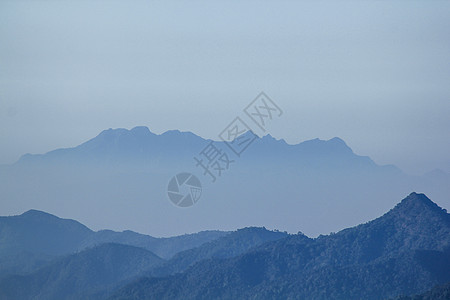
[
  {"x": 92, "y": 273},
  {"x": 403, "y": 252},
  {"x": 34, "y": 238},
  {"x": 231, "y": 245}
]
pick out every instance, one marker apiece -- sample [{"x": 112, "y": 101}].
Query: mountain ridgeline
[
  {"x": 33, "y": 239},
  {"x": 404, "y": 252},
  {"x": 317, "y": 186}
]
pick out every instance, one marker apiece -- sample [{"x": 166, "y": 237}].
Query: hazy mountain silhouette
[
  {"x": 163, "y": 247},
  {"x": 40, "y": 232},
  {"x": 96, "y": 272},
  {"x": 139, "y": 145},
  {"x": 31, "y": 240},
  {"x": 122, "y": 146},
  {"x": 230, "y": 245},
  {"x": 405, "y": 251},
  {"x": 121, "y": 175}
]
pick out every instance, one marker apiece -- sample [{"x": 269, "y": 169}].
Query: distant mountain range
[
  {"x": 404, "y": 252},
  {"x": 46, "y": 257},
  {"x": 31, "y": 240},
  {"x": 116, "y": 147},
  {"x": 119, "y": 180}
]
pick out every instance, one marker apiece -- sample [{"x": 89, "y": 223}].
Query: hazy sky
[{"x": 375, "y": 73}]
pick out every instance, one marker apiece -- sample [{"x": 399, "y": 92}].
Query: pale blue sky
[{"x": 375, "y": 73}]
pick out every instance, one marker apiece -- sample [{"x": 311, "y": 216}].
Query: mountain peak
[
  {"x": 416, "y": 204},
  {"x": 136, "y": 131},
  {"x": 34, "y": 216},
  {"x": 269, "y": 137},
  {"x": 337, "y": 140},
  {"x": 178, "y": 133},
  {"x": 338, "y": 143},
  {"x": 141, "y": 131},
  {"x": 34, "y": 213},
  {"x": 112, "y": 131},
  {"x": 415, "y": 199}
]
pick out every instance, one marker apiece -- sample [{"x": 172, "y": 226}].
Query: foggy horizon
[
  {"x": 226, "y": 149},
  {"x": 372, "y": 73}
]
